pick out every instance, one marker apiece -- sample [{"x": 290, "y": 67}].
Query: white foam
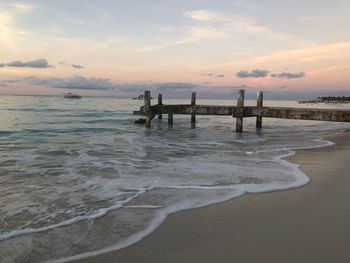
[
  {"x": 143, "y": 206},
  {"x": 239, "y": 190},
  {"x": 301, "y": 179},
  {"x": 99, "y": 213},
  {"x": 151, "y": 227}
]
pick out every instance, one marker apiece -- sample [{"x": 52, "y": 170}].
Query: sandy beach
[
  {"x": 174, "y": 131},
  {"x": 307, "y": 224}
]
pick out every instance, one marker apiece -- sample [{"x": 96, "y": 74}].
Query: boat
[
  {"x": 140, "y": 97},
  {"x": 71, "y": 96}
]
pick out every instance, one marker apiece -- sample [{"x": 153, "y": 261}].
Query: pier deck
[{"x": 240, "y": 111}]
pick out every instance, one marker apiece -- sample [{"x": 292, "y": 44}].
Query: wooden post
[
  {"x": 240, "y": 110},
  {"x": 259, "y": 104},
  {"x": 147, "y": 98},
  {"x": 193, "y": 113},
  {"x": 160, "y": 102},
  {"x": 170, "y": 118}
]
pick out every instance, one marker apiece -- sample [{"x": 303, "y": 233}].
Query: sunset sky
[{"x": 289, "y": 48}]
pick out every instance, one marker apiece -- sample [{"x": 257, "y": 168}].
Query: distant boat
[
  {"x": 71, "y": 96},
  {"x": 140, "y": 97}
]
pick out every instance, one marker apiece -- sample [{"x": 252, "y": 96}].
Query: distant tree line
[
  {"x": 328, "y": 99},
  {"x": 331, "y": 99}
]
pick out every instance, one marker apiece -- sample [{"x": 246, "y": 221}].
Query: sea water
[{"x": 78, "y": 177}]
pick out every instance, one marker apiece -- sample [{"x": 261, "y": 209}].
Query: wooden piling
[
  {"x": 147, "y": 99},
  {"x": 160, "y": 102},
  {"x": 193, "y": 112},
  {"x": 259, "y": 104},
  {"x": 240, "y": 110},
  {"x": 170, "y": 119}
]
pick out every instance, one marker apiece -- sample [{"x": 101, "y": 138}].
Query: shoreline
[{"x": 207, "y": 234}]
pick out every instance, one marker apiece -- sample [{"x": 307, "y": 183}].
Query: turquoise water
[{"x": 70, "y": 168}]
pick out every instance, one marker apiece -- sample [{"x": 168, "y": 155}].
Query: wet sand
[{"x": 307, "y": 224}]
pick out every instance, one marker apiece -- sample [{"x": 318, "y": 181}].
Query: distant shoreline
[
  {"x": 318, "y": 102},
  {"x": 327, "y": 100}
]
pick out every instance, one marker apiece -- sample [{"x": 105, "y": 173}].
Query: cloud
[
  {"x": 83, "y": 83},
  {"x": 227, "y": 21},
  {"x": 75, "y": 82},
  {"x": 39, "y": 63},
  {"x": 168, "y": 89},
  {"x": 186, "y": 40},
  {"x": 10, "y": 32},
  {"x": 197, "y": 33},
  {"x": 213, "y": 75},
  {"x": 22, "y": 8},
  {"x": 243, "y": 86},
  {"x": 65, "y": 64},
  {"x": 287, "y": 75},
  {"x": 317, "y": 53},
  {"x": 77, "y": 66},
  {"x": 202, "y": 15},
  {"x": 262, "y": 73},
  {"x": 210, "y": 24},
  {"x": 2, "y": 65},
  {"x": 207, "y": 74},
  {"x": 7, "y": 29},
  {"x": 5, "y": 82},
  {"x": 175, "y": 86},
  {"x": 173, "y": 89},
  {"x": 256, "y": 73}
]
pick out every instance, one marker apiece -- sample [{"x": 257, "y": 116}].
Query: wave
[
  {"x": 97, "y": 214},
  {"x": 237, "y": 191},
  {"x": 164, "y": 211}
]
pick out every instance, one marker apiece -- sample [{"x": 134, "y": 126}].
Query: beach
[
  {"x": 306, "y": 224},
  {"x": 174, "y": 131}
]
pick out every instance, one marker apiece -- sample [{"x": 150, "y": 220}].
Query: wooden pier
[{"x": 239, "y": 112}]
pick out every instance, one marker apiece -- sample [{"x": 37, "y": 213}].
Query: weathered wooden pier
[{"x": 239, "y": 112}]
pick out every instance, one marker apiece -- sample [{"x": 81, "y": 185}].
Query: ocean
[{"x": 78, "y": 177}]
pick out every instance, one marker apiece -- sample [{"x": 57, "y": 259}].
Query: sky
[{"x": 289, "y": 49}]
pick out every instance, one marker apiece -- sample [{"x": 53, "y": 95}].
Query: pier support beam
[
  {"x": 170, "y": 119},
  {"x": 148, "y": 117},
  {"x": 240, "y": 110},
  {"x": 193, "y": 112},
  {"x": 259, "y": 104},
  {"x": 160, "y": 102}
]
